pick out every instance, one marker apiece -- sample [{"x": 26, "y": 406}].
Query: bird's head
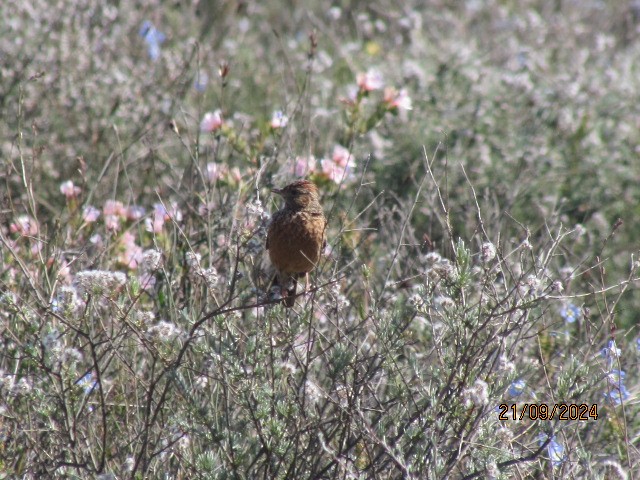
[{"x": 300, "y": 194}]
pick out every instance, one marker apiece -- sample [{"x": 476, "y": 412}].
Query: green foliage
[{"x": 473, "y": 158}]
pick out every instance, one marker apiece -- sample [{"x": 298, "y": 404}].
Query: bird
[{"x": 296, "y": 236}]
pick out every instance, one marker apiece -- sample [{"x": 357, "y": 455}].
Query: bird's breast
[{"x": 295, "y": 240}]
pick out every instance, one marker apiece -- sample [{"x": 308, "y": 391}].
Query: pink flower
[
  {"x": 131, "y": 254},
  {"x": 112, "y": 223},
  {"x": 113, "y": 207},
  {"x": 211, "y": 121},
  {"x": 342, "y": 157},
  {"x": 395, "y": 99},
  {"x": 339, "y": 167},
  {"x": 24, "y": 226},
  {"x": 304, "y": 166},
  {"x": 69, "y": 190},
  {"x": 235, "y": 175},
  {"x": 90, "y": 214},
  {"x": 135, "y": 212},
  {"x": 279, "y": 120},
  {"x": 372, "y": 80},
  {"x": 96, "y": 239},
  {"x": 158, "y": 217},
  {"x": 147, "y": 281},
  {"x": 64, "y": 272},
  {"x": 174, "y": 213},
  {"x": 332, "y": 170},
  {"x": 113, "y": 212},
  {"x": 206, "y": 208},
  {"x": 36, "y": 247},
  {"x": 352, "y": 96},
  {"x": 216, "y": 171}
]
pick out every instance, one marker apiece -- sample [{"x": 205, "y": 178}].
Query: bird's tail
[
  {"x": 290, "y": 289},
  {"x": 286, "y": 287}
]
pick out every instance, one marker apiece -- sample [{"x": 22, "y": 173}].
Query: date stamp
[{"x": 542, "y": 411}]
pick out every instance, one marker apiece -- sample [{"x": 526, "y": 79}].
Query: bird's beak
[{"x": 276, "y": 190}]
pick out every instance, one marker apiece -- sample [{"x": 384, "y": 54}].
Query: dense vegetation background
[{"x": 479, "y": 166}]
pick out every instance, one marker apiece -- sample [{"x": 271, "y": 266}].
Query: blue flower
[
  {"x": 279, "y": 120},
  {"x": 153, "y": 38},
  {"x": 554, "y": 449},
  {"x": 87, "y": 383},
  {"x": 617, "y": 391},
  {"x": 521, "y": 58},
  {"x": 200, "y": 82},
  {"x": 616, "y": 376},
  {"x": 556, "y": 453},
  {"x": 570, "y": 313},
  {"x": 516, "y": 388},
  {"x": 611, "y": 352},
  {"x": 617, "y": 395}
]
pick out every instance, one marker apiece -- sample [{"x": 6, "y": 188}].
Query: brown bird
[{"x": 296, "y": 236}]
